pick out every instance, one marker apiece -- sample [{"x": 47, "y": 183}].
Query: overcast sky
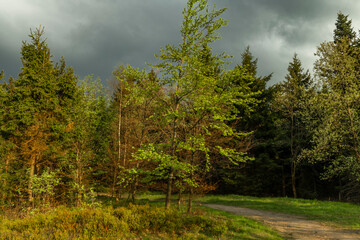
[{"x": 95, "y": 36}]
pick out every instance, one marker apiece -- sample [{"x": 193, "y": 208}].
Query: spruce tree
[
  {"x": 290, "y": 102},
  {"x": 37, "y": 110},
  {"x": 343, "y": 28}
]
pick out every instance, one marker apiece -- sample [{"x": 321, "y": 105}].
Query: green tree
[
  {"x": 290, "y": 102},
  {"x": 81, "y": 131},
  {"x": 36, "y": 113},
  {"x": 336, "y": 138},
  {"x": 262, "y": 144},
  {"x": 194, "y": 99},
  {"x": 132, "y": 105},
  {"x": 343, "y": 28}
]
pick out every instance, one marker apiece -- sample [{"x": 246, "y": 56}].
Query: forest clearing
[{"x": 81, "y": 160}]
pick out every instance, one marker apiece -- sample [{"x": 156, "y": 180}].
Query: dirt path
[{"x": 291, "y": 226}]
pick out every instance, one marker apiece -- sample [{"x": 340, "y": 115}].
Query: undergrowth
[{"x": 131, "y": 222}]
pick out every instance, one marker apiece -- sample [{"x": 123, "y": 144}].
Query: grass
[
  {"x": 240, "y": 228},
  {"x": 244, "y": 228},
  {"x": 145, "y": 220},
  {"x": 131, "y": 222},
  {"x": 336, "y": 213}
]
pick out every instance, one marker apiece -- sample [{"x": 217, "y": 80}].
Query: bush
[{"x": 122, "y": 222}]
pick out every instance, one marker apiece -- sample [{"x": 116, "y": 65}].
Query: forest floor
[{"x": 291, "y": 226}]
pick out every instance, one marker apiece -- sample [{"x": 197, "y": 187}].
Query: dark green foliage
[
  {"x": 254, "y": 177},
  {"x": 36, "y": 114},
  {"x": 343, "y": 28}
]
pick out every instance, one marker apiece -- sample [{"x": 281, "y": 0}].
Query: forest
[{"x": 186, "y": 126}]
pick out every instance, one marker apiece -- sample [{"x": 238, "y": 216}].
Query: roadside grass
[
  {"x": 240, "y": 227},
  {"x": 336, "y": 213},
  {"x": 244, "y": 228}
]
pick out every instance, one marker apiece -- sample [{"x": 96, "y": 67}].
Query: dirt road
[{"x": 290, "y": 226}]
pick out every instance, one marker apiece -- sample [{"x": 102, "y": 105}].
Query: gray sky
[{"x": 95, "y": 36}]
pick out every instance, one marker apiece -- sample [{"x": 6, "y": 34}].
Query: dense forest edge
[{"x": 186, "y": 126}]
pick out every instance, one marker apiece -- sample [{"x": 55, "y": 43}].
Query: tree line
[{"x": 188, "y": 125}]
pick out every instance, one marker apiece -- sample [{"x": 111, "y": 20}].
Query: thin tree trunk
[
  {"x": 192, "y": 178},
  {"x": 78, "y": 177},
  {"x": 179, "y": 200},
  {"x": 283, "y": 182},
  {"x": 3, "y": 197},
  {"x": 31, "y": 175},
  {"x": 293, "y": 178},
  {"x": 293, "y": 157},
  {"x": 173, "y": 154},
  {"x": 169, "y": 188},
  {"x": 119, "y": 145},
  {"x": 134, "y": 186},
  {"x": 191, "y": 194},
  {"x": 133, "y": 193}
]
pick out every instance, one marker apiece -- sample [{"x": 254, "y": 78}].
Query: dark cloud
[{"x": 95, "y": 36}]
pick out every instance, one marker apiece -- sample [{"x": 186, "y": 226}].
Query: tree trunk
[
  {"x": 179, "y": 200},
  {"x": 78, "y": 177},
  {"x": 3, "y": 197},
  {"x": 293, "y": 178},
  {"x": 31, "y": 175},
  {"x": 283, "y": 182},
  {"x": 293, "y": 156},
  {"x": 173, "y": 154},
  {"x": 190, "y": 200},
  {"x": 134, "y": 188},
  {"x": 169, "y": 189}
]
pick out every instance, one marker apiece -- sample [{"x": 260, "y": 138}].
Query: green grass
[
  {"x": 241, "y": 227},
  {"x": 131, "y": 222},
  {"x": 148, "y": 220},
  {"x": 337, "y": 213},
  {"x": 244, "y": 228}
]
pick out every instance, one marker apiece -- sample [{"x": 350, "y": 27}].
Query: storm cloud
[{"x": 96, "y": 36}]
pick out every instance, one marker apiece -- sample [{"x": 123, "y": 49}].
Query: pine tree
[
  {"x": 343, "y": 28},
  {"x": 290, "y": 101},
  {"x": 36, "y": 114}
]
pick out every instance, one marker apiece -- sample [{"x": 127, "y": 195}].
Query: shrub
[{"x": 122, "y": 222}]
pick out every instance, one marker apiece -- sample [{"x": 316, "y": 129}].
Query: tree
[
  {"x": 343, "y": 28},
  {"x": 78, "y": 166},
  {"x": 133, "y": 104},
  {"x": 36, "y": 113},
  {"x": 261, "y": 144},
  {"x": 290, "y": 101},
  {"x": 335, "y": 138},
  {"x": 338, "y": 71},
  {"x": 195, "y": 99}
]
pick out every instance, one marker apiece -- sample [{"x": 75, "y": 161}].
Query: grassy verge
[
  {"x": 240, "y": 227},
  {"x": 341, "y": 214},
  {"x": 244, "y": 228}
]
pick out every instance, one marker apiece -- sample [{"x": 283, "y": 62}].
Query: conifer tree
[
  {"x": 290, "y": 101},
  {"x": 343, "y": 28},
  {"x": 36, "y": 114}
]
